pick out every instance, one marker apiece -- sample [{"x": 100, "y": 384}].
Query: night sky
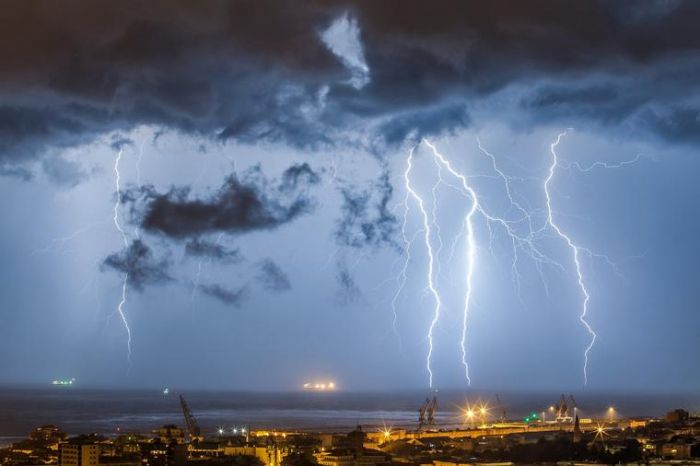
[{"x": 254, "y": 155}]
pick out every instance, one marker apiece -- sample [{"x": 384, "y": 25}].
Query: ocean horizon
[{"x": 79, "y": 410}]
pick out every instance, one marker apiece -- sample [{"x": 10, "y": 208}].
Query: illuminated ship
[
  {"x": 63, "y": 382},
  {"x": 319, "y": 386}
]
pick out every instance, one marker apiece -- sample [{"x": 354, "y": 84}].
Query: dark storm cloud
[
  {"x": 240, "y": 205},
  {"x": 348, "y": 291},
  {"x": 418, "y": 124},
  {"x": 140, "y": 264},
  {"x": 298, "y": 175},
  {"x": 365, "y": 216},
  {"x": 258, "y": 71},
  {"x": 681, "y": 124},
  {"x": 198, "y": 247},
  {"x": 225, "y": 295},
  {"x": 602, "y": 102},
  {"x": 273, "y": 277},
  {"x": 120, "y": 142}
]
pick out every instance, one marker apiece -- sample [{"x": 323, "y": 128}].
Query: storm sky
[{"x": 254, "y": 155}]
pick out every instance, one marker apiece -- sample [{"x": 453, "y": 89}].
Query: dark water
[{"x": 79, "y": 410}]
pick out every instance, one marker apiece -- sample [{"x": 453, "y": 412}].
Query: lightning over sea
[
  {"x": 125, "y": 278},
  {"x": 524, "y": 229}
]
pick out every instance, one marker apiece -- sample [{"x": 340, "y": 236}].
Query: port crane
[
  {"x": 426, "y": 413},
  {"x": 566, "y": 410},
  {"x": 572, "y": 404},
  {"x": 501, "y": 409},
  {"x": 193, "y": 431}
]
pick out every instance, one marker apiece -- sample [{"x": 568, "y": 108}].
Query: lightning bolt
[
  {"x": 470, "y": 246},
  {"x": 605, "y": 165},
  {"x": 524, "y": 242},
  {"x": 427, "y": 233},
  {"x": 519, "y": 224},
  {"x": 125, "y": 279},
  {"x": 56, "y": 242},
  {"x": 575, "y": 250}
]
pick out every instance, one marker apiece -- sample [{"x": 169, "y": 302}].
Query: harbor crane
[
  {"x": 193, "y": 431},
  {"x": 426, "y": 413},
  {"x": 501, "y": 409}
]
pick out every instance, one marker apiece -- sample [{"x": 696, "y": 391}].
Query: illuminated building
[
  {"x": 170, "y": 432},
  {"x": 48, "y": 434},
  {"x": 160, "y": 453},
  {"x": 677, "y": 415},
  {"x": 349, "y": 451},
  {"x": 269, "y": 456},
  {"x": 79, "y": 452}
]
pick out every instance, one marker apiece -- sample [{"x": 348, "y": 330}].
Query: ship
[
  {"x": 63, "y": 382},
  {"x": 319, "y": 386}
]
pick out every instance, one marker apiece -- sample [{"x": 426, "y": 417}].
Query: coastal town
[{"x": 672, "y": 439}]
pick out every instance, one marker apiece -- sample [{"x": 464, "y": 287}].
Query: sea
[{"x": 84, "y": 410}]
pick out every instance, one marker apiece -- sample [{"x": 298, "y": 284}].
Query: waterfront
[{"x": 79, "y": 410}]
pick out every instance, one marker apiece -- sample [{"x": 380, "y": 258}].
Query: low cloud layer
[
  {"x": 272, "y": 277},
  {"x": 202, "y": 248},
  {"x": 225, "y": 295},
  {"x": 140, "y": 265}
]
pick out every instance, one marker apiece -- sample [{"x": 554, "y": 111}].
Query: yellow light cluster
[{"x": 319, "y": 386}]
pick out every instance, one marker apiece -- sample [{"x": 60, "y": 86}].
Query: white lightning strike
[
  {"x": 604, "y": 165},
  {"x": 125, "y": 280},
  {"x": 470, "y": 249},
  {"x": 56, "y": 242},
  {"x": 518, "y": 241},
  {"x": 427, "y": 233},
  {"x": 576, "y": 251},
  {"x": 520, "y": 230},
  {"x": 120, "y": 310},
  {"x": 118, "y": 191}
]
